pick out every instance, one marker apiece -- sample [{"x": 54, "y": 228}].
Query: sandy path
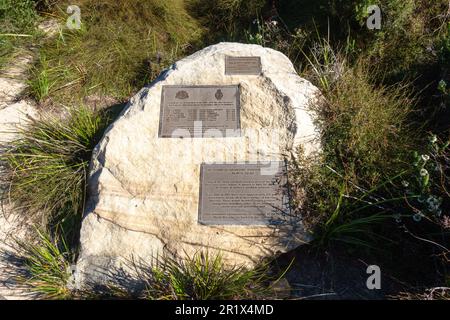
[{"x": 14, "y": 110}]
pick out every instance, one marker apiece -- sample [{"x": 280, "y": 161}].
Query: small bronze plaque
[
  {"x": 243, "y": 194},
  {"x": 199, "y": 111},
  {"x": 242, "y": 65}
]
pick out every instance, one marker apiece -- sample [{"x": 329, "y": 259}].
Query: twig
[{"x": 15, "y": 35}]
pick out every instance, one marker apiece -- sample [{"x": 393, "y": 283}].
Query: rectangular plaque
[
  {"x": 199, "y": 111},
  {"x": 242, "y": 65},
  {"x": 243, "y": 194}
]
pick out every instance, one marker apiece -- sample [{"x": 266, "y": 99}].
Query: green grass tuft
[
  {"x": 45, "y": 168},
  {"x": 121, "y": 46},
  {"x": 46, "y": 266},
  {"x": 202, "y": 276}
]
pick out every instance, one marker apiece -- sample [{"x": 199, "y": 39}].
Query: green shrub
[
  {"x": 227, "y": 18},
  {"x": 366, "y": 142},
  {"x": 409, "y": 36}
]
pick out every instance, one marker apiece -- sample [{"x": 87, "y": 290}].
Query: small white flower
[
  {"x": 425, "y": 157},
  {"x": 433, "y": 201},
  {"x": 405, "y": 183},
  {"x": 433, "y": 138},
  {"x": 274, "y": 22},
  {"x": 417, "y": 217},
  {"x": 423, "y": 172}
]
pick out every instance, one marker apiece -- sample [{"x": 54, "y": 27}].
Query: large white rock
[{"x": 144, "y": 190}]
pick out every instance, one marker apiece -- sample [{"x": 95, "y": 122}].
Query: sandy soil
[{"x": 15, "y": 110}]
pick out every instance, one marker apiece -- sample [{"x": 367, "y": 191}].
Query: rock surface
[{"x": 144, "y": 190}]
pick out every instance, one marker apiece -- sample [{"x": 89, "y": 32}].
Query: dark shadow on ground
[
  {"x": 317, "y": 15},
  {"x": 332, "y": 275}
]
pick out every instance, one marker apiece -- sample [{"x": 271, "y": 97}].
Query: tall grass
[
  {"x": 202, "y": 276},
  {"x": 17, "y": 27},
  {"x": 46, "y": 266},
  {"x": 226, "y": 18},
  {"x": 121, "y": 46},
  {"x": 45, "y": 168},
  {"x": 366, "y": 142}
]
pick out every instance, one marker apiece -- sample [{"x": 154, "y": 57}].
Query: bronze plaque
[
  {"x": 199, "y": 111},
  {"x": 243, "y": 194},
  {"x": 242, "y": 65}
]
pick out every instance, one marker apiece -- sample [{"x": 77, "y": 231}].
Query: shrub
[
  {"x": 366, "y": 142},
  {"x": 17, "y": 15}
]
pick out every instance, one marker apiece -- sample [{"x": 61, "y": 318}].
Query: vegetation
[
  {"x": 18, "y": 19},
  {"x": 46, "y": 266},
  {"x": 202, "y": 276},
  {"x": 120, "y": 47},
  {"x": 45, "y": 168},
  {"x": 381, "y": 186}
]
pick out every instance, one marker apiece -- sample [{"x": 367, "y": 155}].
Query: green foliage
[
  {"x": 121, "y": 46},
  {"x": 227, "y": 18},
  {"x": 365, "y": 140},
  {"x": 46, "y": 166},
  {"x": 409, "y": 35},
  {"x": 202, "y": 276},
  {"x": 47, "y": 266},
  {"x": 428, "y": 179},
  {"x": 39, "y": 85},
  {"x": 365, "y": 179},
  {"x": 17, "y": 16},
  {"x": 17, "y": 22}
]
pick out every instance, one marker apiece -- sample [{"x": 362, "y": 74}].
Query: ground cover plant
[
  {"x": 381, "y": 190},
  {"x": 17, "y": 20}
]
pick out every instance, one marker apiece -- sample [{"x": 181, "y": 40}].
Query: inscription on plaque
[
  {"x": 242, "y": 65},
  {"x": 195, "y": 110},
  {"x": 243, "y": 194}
]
